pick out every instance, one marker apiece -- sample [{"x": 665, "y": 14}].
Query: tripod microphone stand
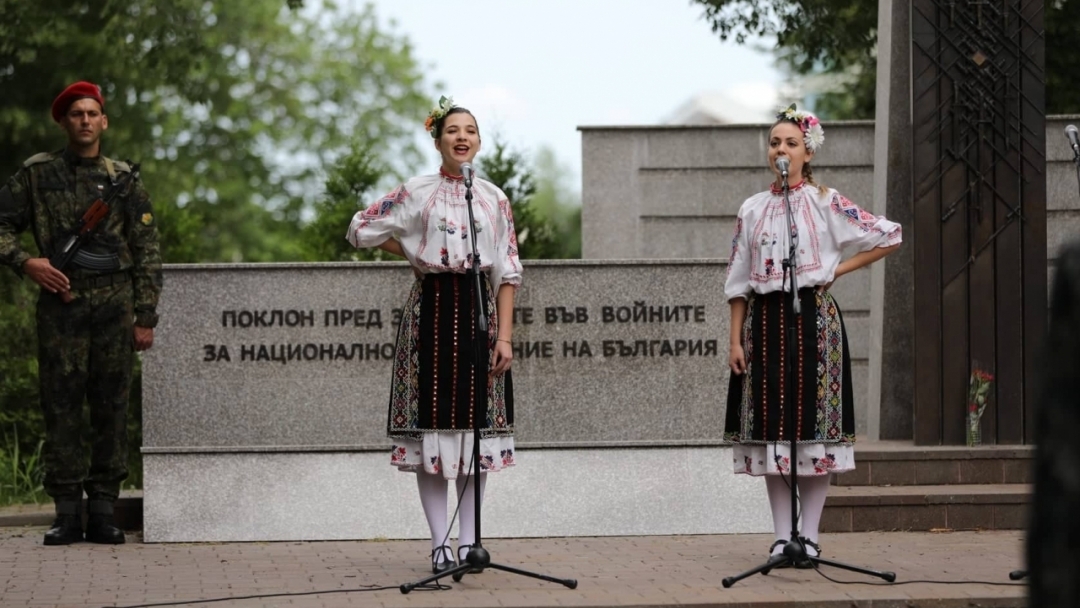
[
  {"x": 478, "y": 558},
  {"x": 795, "y": 550}
]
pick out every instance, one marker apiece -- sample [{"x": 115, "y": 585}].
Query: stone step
[
  {"x": 902, "y": 464},
  {"x": 927, "y": 508},
  {"x": 848, "y": 509}
]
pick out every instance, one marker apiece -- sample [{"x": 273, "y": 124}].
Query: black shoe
[
  {"x": 101, "y": 528},
  {"x": 441, "y": 559},
  {"x": 462, "y": 558},
  {"x": 67, "y": 529},
  {"x": 807, "y": 545}
]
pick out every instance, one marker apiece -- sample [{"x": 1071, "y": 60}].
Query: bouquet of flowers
[{"x": 978, "y": 392}]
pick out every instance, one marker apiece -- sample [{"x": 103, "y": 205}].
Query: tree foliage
[
  {"x": 349, "y": 188},
  {"x": 1062, "y": 57},
  {"x": 558, "y": 201},
  {"x": 538, "y": 231},
  {"x": 233, "y": 108},
  {"x": 838, "y": 39}
]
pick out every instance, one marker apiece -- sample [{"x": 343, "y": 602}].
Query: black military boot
[
  {"x": 67, "y": 528},
  {"x": 100, "y": 526}
]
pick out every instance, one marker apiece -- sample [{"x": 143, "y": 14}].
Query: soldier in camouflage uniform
[{"x": 92, "y": 316}]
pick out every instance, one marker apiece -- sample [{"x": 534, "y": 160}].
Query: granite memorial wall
[{"x": 265, "y": 402}]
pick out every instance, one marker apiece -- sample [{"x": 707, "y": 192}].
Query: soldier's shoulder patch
[
  {"x": 147, "y": 219},
  {"x": 42, "y": 157}
]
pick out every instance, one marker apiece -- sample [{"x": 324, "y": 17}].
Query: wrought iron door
[{"x": 978, "y": 112}]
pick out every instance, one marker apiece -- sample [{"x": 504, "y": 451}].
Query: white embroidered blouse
[
  {"x": 828, "y": 224},
  {"x": 429, "y": 216}
]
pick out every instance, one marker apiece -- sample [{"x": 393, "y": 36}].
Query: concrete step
[
  {"x": 927, "y": 508},
  {"x": 903, "y": 464}
]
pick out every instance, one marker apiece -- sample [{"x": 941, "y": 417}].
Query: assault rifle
[{"x": 72, "y": 247}]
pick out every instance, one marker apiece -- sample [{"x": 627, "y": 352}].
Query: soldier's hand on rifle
[
  {"x": 42, "y": 272},
  {"x": 144, "y": 338}
]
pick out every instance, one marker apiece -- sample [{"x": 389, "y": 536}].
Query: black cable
[
  {"x": 784, "y": 478},
  {"x": 893, "y": 584},
  {"x": 457, "y": 507},
  {"x": 817, "y": 568},
  {"x": 429, "y": 587},
  {"x": 366, "y": 588}
]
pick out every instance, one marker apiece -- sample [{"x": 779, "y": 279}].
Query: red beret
[{"x": 75, "y": 92}]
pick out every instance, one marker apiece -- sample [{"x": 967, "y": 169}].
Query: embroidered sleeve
[
  {"x": 737, "y": 284},
  {"x": 506, "y": 268},
  {"x": 383, "y": 220},
  {"x": 857, "y": 228}
]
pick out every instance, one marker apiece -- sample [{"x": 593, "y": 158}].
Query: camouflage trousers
[{"x": 85, "y": 353}]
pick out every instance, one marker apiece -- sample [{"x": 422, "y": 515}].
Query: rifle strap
[{"x": 110, "y": 168}]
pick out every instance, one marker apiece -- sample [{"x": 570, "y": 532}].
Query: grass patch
[{"x": 21, "y": 474}]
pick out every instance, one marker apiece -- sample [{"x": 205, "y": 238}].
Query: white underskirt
[
  {"x": 451, "y": 454},
  {"x": 815, "y": 459}
]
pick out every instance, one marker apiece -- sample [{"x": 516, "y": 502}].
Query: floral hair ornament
[
  {"x": 813, "y": 134},
  {"x": 438, "y": 113}
]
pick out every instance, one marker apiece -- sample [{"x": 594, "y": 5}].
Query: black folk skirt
[
  {"x": 434, "y": 388},
  {"x": 801, "y": 390}
]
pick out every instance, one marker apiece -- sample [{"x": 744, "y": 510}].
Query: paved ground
[{"x": 623, "y": 571}]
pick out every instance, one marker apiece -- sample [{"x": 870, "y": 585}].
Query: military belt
[{"x": 101, "y": 280}]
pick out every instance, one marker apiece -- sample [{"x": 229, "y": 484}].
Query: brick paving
[{"x": 616, "y": 571}]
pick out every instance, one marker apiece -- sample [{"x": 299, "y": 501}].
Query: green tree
[
  {"x": 509, "y": 170},
  {"x": 557, "y": 200},
  {"x": 1062, "y": 57},
  {"x": 834, "y": 37},
  {"x": 352, "y": 180},
  {"x": 232, "y": 108},
  {"x": 838, "y": 39}
]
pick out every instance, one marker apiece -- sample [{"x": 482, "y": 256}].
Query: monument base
[{"x": 293, "y": 496}]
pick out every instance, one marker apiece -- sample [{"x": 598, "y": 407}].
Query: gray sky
[{"x": 535, "y": 70}]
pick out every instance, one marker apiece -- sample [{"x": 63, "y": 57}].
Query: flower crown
[
  {"x": 438, "y": 113},
  {"x": 813, "y": 134}
]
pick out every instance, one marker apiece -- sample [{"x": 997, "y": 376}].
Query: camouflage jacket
[{"x": 49, "y": 195}]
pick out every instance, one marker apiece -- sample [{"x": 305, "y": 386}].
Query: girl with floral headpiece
[
  {"x": 426, "y": 221},
  {"x": 762, "y": 361}
]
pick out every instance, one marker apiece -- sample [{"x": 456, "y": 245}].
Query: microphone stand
[
  {"x": 478, "y": 558},
  {"x": 795, "y": 550},
  {"x": 1076, "y": 161}
]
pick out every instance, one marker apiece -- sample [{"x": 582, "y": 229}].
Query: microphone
[
  {"x": 467, "y": 173},
  {"x": 782, "y": 164},
  {"x": 1074, "y": 138}
]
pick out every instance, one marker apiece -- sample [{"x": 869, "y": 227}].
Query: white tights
[
  {"x": 812, "y": 494},
  {"x": 433, "y": 498}
]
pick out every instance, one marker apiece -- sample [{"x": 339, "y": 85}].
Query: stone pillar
[{"x": 891, "y": 382}]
